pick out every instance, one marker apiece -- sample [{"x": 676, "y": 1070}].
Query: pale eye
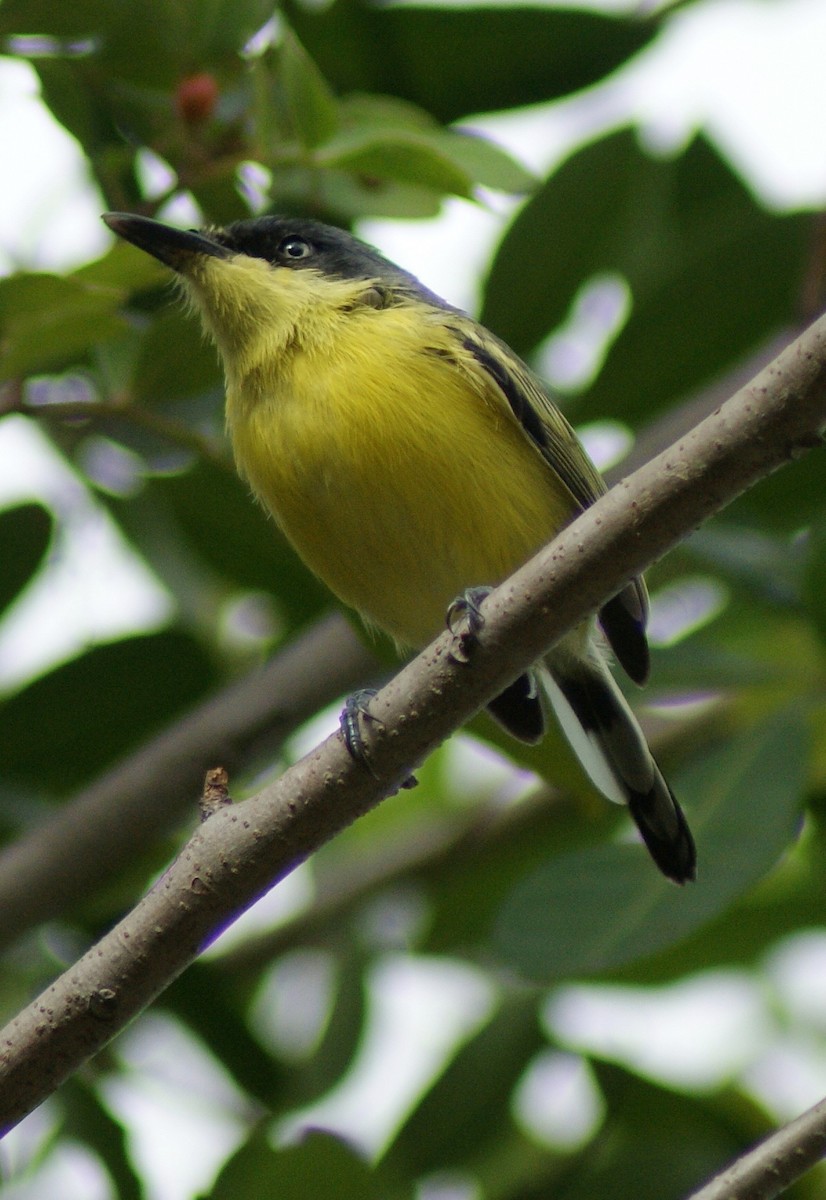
[{"x": 293, "y": 248}]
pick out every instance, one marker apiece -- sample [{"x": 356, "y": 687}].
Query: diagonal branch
[
  {"x": 110, "y": 823},
  {"x": 243, "y": 850},
  {"x": 774, "y": 1164}
]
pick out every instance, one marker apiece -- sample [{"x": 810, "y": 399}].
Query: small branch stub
[{"x": 215, "y": 794}]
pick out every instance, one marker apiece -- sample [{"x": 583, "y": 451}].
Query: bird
[{"x": 412, "y": 458}]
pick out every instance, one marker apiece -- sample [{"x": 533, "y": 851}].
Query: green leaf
[
  {"x": 456, "y": 60},
  {"x": 365, "y": 118},
  {"x": 124, "y": 268},
  {"x": 88, "y": 1122},
  {"x": 155, "y": 44},
  {"x": 69, "y": 724},
  {"x": 361, "y": 110},
  {"x": 223, "y": 27},
  {"x": 758, "y": 564},
  {"x": 814, "y": 582},
  {"x": 656, "y": 1144},
  {"x": 711, "y": 273},
  {"x": 212, "y": 1004},
  {"x": 590, "y": 911},
  {"x": 75, "y": 100},
  {"x": 213, "y": 513},
  {"x": 174, "y": 361},
  {"x": 789, "y": 499},
  {"x": 320, "y": 1165},
  {"x": 488, "y": 164},
  {"x": 25, "y": 534},
  {"x": 344, "y": 1031},
  {"x": 401, "y": 157},
  {"x": 345, "y": 196},
  {"x": 788, "y": 900},
  {"x": 468, "y": 887},
  {"x": 572, "y": 228},
  {"x": 310, "y": 103},
  {"x": 24, "y": 18},
  {"x": 47, "y": 322},
  {"x": 466, "y": 1110}
]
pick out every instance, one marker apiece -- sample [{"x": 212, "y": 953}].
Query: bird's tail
[{"x": 606, "y": 737}]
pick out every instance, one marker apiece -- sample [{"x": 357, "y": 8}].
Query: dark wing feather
[{"x": 623, "y": 618}]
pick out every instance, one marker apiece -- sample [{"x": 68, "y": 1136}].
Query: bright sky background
[{"x": 751, "y": 75}]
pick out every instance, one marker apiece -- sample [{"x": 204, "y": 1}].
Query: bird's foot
[
  {"x": 465, "y": 621},
  {"x": 355, "y": 709}
]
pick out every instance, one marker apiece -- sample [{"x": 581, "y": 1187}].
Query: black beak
[{"x": 174, "y": 247}]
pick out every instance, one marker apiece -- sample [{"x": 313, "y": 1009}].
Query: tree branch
[
  {"x": 243, "y": 850},
  {"x": 109, "y": 824},
  {"x": 773, "y": 1165}
]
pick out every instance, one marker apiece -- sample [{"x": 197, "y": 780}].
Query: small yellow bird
[{"x": 409, "y": 456}]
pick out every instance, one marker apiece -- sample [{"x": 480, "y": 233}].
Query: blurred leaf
[
  {"x": 310, "y": 104},
  {"x": 701, "y": 664},
  {"x": 90, "y": 1123},
  {"x": 656, "y": 1144},
  {"x": 68, "y": 725},
  {"x": 345, "y": 196},
  {"x": 125, "y": 268},
  {"x": 213, "y": 514},
  {"x": 25, "y": 534},
  {"x": 174, "y": 360},
  {"x": 77, "y": 104},
  {"x": 47, "y": 322},
  {"x": 403, "y": 157},
  {"x": 467, "y": 1109},
  {"x": 343, "y": 1034},
  {"x": 789, "y": 499},
  {"x": 453, "y": 61},
  {"x": 814, "y": 583},
  {"x": 467, "y": 888},
  {"x": 767, "y": 566},
  {"x": 575, "y": 226},
  {"x": 71, "y": 21},
  {"x": 711, "y": 273},
  {"x": 587, "y": 912},
  {"x": 659, "y": 1144},
  {"x": 489, "y": 165},
  {"x": 155, "y": 44},
  {"x": 372, "y": 119},
  {"x": 791, "y": 898},
  {"x": 120, "y": 87},
  {"x": 214, "y": 1007},
  {"x": 319, "y": 1163}
]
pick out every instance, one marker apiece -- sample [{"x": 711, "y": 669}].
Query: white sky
[{"x": 751, "y": 75}]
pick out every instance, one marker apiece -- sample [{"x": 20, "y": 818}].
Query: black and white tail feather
[{"x": 606, "y": 738}]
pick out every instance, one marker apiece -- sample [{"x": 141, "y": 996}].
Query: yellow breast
[{"x": 399, "y": 476}]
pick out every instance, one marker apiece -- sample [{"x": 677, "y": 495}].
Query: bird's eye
[{"x": 294, "y": 248}]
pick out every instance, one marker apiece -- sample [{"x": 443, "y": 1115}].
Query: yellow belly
[{"x": 397, "y": 482}]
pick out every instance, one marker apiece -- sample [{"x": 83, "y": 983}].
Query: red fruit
[{"x": 196, "y": 97}]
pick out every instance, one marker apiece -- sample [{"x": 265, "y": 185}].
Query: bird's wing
[{"x": 623, "y": 618}]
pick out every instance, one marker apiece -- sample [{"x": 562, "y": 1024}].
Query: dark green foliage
[
  {"x": 347, "y": 111},
  {"x": 70, "y": 724},
  {"x": 25, "y": 533},
  {"x": 455, "y": 61}
]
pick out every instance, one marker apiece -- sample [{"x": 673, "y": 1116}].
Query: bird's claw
[
  {"x": 465, "y": 621},
  {"x": 356, "y": 708}
]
